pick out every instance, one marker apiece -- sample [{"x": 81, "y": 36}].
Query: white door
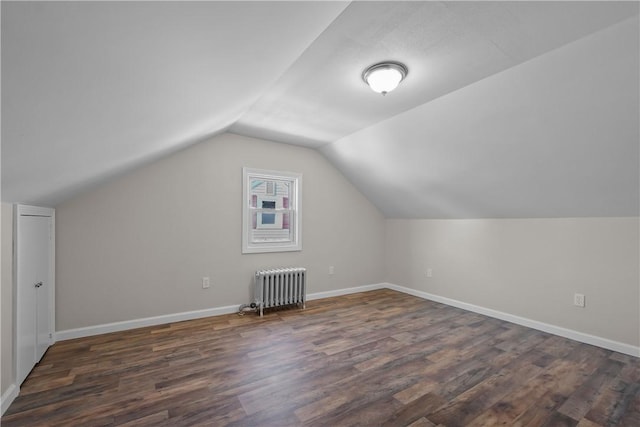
[{"x": 34, "y": 296}]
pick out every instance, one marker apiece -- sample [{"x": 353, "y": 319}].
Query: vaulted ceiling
[{"x": 510, "y": 109}]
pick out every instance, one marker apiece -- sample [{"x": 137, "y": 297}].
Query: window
[{"x": 271, "y": 211}]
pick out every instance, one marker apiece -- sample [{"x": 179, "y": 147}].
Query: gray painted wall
[
  {"x": 527, "y": 267},
  {"x": 6, "y": 298},
  {"x": 139, "y": 246}
]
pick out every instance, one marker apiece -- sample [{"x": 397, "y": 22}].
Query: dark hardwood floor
[{"x": 370, "y": 359}]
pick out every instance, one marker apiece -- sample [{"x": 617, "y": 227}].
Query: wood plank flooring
[{"x": 379, "y": 358}]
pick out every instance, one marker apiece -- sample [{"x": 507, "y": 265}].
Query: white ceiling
[{"x": 510, "y": 109}]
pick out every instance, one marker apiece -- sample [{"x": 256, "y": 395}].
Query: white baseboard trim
[
  {"x": 346, "y": 291},
  {"x": 106, "y": 328},
  {"x": 188, "y": 315},
  {"x": 534, "y": 324},
  {"x": 8, "y": 397},
  {"x": 198, "y": 314}
]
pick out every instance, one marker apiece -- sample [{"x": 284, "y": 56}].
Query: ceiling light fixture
[{"x": 384, "y": 77}]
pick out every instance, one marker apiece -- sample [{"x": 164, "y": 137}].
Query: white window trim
[{"x": 294, "y": 204}]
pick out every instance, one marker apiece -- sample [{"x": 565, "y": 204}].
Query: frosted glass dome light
[{"x": 384, "y": 76}]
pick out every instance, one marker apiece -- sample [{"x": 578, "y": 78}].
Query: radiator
[{"x": 280, "y": 287}]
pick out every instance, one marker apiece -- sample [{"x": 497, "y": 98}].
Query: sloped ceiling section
[
  {"x": 91, "y": 89},
  {"x": 446, "y": 46},
  {"x": 510, "y": 109},
  {"x": 557, "y": 136}
]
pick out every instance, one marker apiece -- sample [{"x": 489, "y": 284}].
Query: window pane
[{"x": 270, "y": 211}]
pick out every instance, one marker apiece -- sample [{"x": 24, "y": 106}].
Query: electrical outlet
[
  {"x": 578, "y": 300},
  {"x": 331, "y": 269},
  {"x": 206, "y": 283},
  {"x": 429, "y": 272}
]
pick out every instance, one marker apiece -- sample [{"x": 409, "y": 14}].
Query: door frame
[{"x": 20, "y": 211}]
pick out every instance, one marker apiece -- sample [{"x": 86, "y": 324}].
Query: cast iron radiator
[{"x": 280, "y": 287}]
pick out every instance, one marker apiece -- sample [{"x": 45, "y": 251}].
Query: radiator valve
[{"x": 247, "y": 307}]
